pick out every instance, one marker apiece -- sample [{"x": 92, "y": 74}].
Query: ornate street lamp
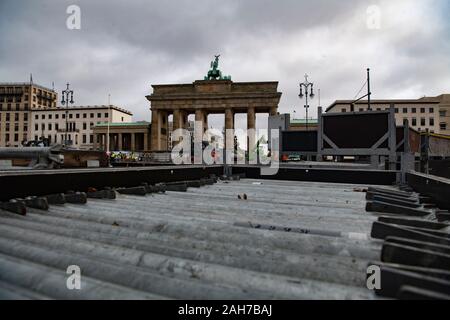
[
  {"x": 65, "y": 101},
  {"x": 306, "y": 86}
]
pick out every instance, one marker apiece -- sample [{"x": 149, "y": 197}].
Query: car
[{"x": 294, "y": 157}]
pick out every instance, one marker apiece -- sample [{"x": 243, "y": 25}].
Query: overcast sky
[{"x": 125, "y": 46}]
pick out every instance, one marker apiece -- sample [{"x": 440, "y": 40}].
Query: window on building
[
  {"x": 25, "y": 127},
  {"x": 91, "y": 125},
  {"x": 422, "y": 110},
  {"x": 16, "y": 137},
  {"x": 91, "y": 138},
  {"x": 70, "y": 116},
  {"x": 405, "y": 110},
  {"x": 396, "y": 110},
  {"x": 414, "y": 121},
  {"x": 99, "y": 115},
  {"x": 84, "y": 115},
  {"x": 122, "y": 117},
  {"x": 378, "y": 109},
  {"x": 431, "y": 110},
  {"x": 50, "y": 116},
  {"x": 36, "y": 127},
  {"x": 343, "y": 110},
  {"x": 431, "y": 121},
  {"x": 7, "y": 116},
  {"x": 106, "y": 114},
  {"x": 7, "y": 137},
  {"x": 56, "y": 116},
  {"x": 49, "y": 126},
  {"x": 442, "y": 113},
  {"x": 16, "y": 117},
  {"x": 17, "y": 106},
  {"x": 91, "y": 115},
  {"x": 84, "y": 138},
  {"x": 43, "y": 116},
  {"x": 25, "y": 117},
  {"x": 422, "y": 122},
  {"x": 84, "y": 126},
  {"x": 43, "y": 126},
  {"x": 63, "y": 116},
  {"x": 443, "y": 126},
  {"x": 36, "y": 117},
  {"x": 413, "y": 110},
  {"x": 78, "y": 116},
  {"x": 56, "y": 127},
  {"x": 16, "y": 127},
  {"x": 26, "y": 106}
]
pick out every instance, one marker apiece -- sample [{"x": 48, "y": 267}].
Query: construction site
[{"x": 313, "y": 230}]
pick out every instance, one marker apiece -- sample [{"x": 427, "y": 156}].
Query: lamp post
[
  {"x": 306, "y": 85},
  {"x": 65, "y": 101}
]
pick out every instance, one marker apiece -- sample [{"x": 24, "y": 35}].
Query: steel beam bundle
[{"x": 415, "y": 256}]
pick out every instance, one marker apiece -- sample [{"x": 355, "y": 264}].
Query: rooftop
[
  {"x": 25, "y": 84},
  {"x": 435, "y": 100},
  {"x": 123, "y": 124},
  {"x": 201, "y": 244},
  {"x": 303, "y": 121},
  {"x": 90, "y": 107}
]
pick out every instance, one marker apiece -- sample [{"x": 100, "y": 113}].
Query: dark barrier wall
[
  {"x": 305, "y": 141},
  {"x": 38, "y": 183},
  {"x": 432, "y": 186},
  {"x": 375, "y": 177},
  {"x": 439, "y": 168},
  {"x": 355, "y": 130}
]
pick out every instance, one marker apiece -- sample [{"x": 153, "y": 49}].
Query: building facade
[
  {"x": 50, "y": 124},
  {"x": 204, "y": 97},
  {"x": 427, "y": 113},
  {"x": 123, "y": 136},
  {"x": 17, "y": 101}
]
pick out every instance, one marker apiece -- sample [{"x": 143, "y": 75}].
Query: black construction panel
[
  {"x": 356, "y": 130},
  {"x": 293, "y": 141}
]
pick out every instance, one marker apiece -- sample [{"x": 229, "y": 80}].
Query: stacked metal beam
[
  {"x": 415, "y": 257},
  {"x": 284, "y": 240}
]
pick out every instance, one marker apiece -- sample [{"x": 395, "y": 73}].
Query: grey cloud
[{"x": 125, "y": 46}]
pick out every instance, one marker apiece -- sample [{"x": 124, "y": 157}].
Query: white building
[
  {"x": 427, "y": 113},
  {"x": 50, "y": 123}
]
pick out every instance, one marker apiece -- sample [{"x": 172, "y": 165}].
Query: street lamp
[
  {"x": 306, "y": 85},
  {"x": 65, "y": 101}
]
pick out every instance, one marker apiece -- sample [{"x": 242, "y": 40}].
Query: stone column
[
  {"x": 155, "y": 139},
  {"x": 119, "y": 141},
  {"x": 251, "y": 134},
  {"x": 94, "y": 143},
  {"x": 133, "y": 142},
  {"x": 164, "y": 133},
  {"x": 177, "y": 123},
  {"x": 229, "y": 119},
  {"x": 205, "y": 121},
  {"x": 145, "y": 141},
  {"x": 199, "y": 116},
  {"x": 103, "y": 141},
  {"x": 177, "y": 119},
  {"x": 273, "y": 111},
  {"x": 229, "y": 135}
]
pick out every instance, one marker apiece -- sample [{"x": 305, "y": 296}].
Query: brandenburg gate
[{"x": 215, "y": 94}]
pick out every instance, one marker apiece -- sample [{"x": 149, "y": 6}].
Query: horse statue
[{"x": 214, "y": 73}]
